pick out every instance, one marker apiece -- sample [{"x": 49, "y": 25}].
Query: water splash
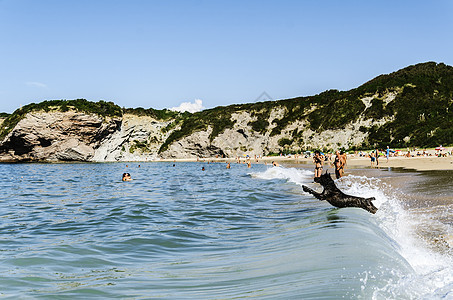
[
  {"x": 293, "y": 175},
  {"x": 429, "y": 274}
]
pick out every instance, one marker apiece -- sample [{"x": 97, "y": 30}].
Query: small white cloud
[
  {"x": 190, "y": 107},
  {"x": 37, "y": 84}
]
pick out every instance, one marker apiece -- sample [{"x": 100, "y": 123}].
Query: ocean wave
[
  {"x": 297, "y": 176},
  {"x": 423, "y": 272},
  {"x": 177, "y": 232}
]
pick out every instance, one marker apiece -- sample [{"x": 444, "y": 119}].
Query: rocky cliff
[
  {"x": 295, "y": 136},
  {"x": 410, "y": 107},
  {"x": 137, "y": 139},
  {"x": 57, "y": 136}
]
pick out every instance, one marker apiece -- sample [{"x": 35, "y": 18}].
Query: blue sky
[{"x": 162, "y": 53}]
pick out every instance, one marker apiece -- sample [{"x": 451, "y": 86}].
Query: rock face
[
  {"x": 243, "y": 140},
  {"x": 76, "y": 136},
  {"x": 56, "y": 136},
  {"x": 193, "y": 146},
  {"x": 233, "y": 142},
  {"x": 137, "y": 139}
]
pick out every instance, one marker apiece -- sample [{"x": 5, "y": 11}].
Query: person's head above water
[{"x": 126, "y": 177}]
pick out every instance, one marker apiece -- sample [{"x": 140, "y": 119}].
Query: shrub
[{"x": 284, "y": 141}]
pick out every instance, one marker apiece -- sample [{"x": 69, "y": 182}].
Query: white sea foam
[
  {"x": 297, "y": 176},
  {"x": 433, "y": 271},
  {"x": 432, "y": 275}
]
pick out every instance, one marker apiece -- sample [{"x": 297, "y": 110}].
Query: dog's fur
[{"x": 337, "y": 198}]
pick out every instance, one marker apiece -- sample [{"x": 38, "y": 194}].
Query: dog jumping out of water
[{"x": 337, "y": 198}]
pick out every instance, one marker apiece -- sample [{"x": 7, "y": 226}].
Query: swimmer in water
[
  {"x": 126, "y": 177},
  {"x": 228, "y": 166},
  {"x": 202, "y": 168}
]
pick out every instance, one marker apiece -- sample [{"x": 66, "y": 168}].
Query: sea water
[{"x": 76, "y": 231}]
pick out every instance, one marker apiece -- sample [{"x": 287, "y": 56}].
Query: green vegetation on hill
[
  {"x": 102, "y": 108},
  {"x": 159, "y": 114},
  {"x": 4, "y": 115},
  {"x": 422, "y": 111},
  {"x": 416, "y": 102},
  {"x": 334, "y": 109},
  {"x": 420, "y": 115},
  {"x": 331, "y": 109},
  {"x": 218, "y": 118}
]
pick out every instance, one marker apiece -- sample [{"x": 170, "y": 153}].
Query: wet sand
[{"x": 422, "y": 163}]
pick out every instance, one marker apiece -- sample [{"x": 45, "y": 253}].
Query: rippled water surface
[{"x": 75, "y": 231}]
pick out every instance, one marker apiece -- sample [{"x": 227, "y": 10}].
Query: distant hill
[
  {"x": 416, "y": 103},
  {"x": 409, "y": 107}
]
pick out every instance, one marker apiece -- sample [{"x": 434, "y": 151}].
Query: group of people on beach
[
  {"x": 374, "y": 155},
  {"x": 338, "y": 163}
]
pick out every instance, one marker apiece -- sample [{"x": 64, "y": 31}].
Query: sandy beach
[
  {"x": 419, "y": 163},
  {"x": 422, "y": 163}
]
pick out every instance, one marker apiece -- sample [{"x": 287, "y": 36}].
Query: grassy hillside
[
  {"x": 422, "y": 110},
  {"x": 159, "y": 114}
]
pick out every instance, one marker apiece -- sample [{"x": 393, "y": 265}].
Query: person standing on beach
[
  {"x": 377, "y": 157},
  {"x": 318, "y": 159},
  {"x": 337, "y": 164},
  {"x": 387, "y": 153},
  {"x": 372, "y": 158},
  {"x": 343, "y": 162}
]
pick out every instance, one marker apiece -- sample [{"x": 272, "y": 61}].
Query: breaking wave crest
[{"x": 422, "y": 272}]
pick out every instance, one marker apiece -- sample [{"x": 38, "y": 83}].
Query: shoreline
[{"x": 418, "y": 163}]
